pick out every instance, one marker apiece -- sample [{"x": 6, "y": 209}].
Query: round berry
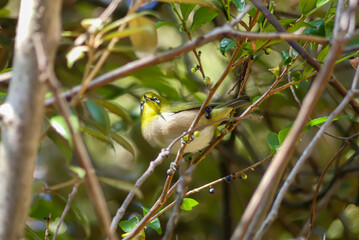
[
  {"x": 224, "y": 131},
  {"x": 267, "y": 51},
  {"x": 196, "y": 133},
  {"x": 228, "y": 178},
  {"x": 207, "y": 80},
  {"x": 211, "y": 190}
]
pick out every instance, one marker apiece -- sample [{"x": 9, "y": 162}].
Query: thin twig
[
  {"x": 312, "y": 214},
  {"x": 66, "y": 209},
  {"x": 184, "y": 180},
  {"x": 47, "y": 231}
]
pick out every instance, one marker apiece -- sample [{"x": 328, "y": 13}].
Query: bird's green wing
[{"x": 182, "y": 106}]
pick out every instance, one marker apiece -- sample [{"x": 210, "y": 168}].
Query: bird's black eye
[{"x": 156, "y": 100}]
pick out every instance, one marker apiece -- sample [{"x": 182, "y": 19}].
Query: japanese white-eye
[{"x": 162, "y": 121}]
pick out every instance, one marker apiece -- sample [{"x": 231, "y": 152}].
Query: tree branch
[{"x": 22, "y": 114}]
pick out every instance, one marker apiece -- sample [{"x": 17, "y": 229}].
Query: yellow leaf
[{"x": 145, "y": 41}]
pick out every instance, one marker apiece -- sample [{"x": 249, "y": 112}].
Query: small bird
[{"x": 162, "y": 121}]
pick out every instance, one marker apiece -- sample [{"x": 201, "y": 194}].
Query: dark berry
[
  {"x": 228, "y": 178},
  {"x": 211, "y": 190},
  {"x": 208, "y": 115}
]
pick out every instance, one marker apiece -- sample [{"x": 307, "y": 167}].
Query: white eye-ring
[
  {"x": 142, "y": 104},
  {"x": 156, "y": 100}
]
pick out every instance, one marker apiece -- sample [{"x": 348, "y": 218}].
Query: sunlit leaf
[
  {"x": 86, "y": 23},
  {"x": 80, "y": 172},
  {"x": 145, "y": 42},
  {"x": 59, "y": 124},
  {"x": 188, "y": 204},
  {"x": 75, "y": 54},
  {"x": 126, "y": 19},
  {"x": 309, "y": 125}
]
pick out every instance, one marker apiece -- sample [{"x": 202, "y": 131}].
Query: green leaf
[
  {"x": 162, "y": 85},
  {"x": 30, "y": 234},
  {"x": 123, "y": 142},
  {"x": 321, "y": 2},
  {"x": 188, "y": 204},
  {"x": 204, "y": 3},
  {"x": 80, "y": 172},
  {"x": 127, "y": 32},
  {"x": 99, "y": 114},
  {"x": 111, "y": 91},
  {"x": 315, "y": 27},
  {"x": 307, "y": 70},
  {"x": 203, "y": 16},
  {"x": 166, "y": 23},
  {"x": 126, "y": 19},
  {"x": 282, "y": 134},
  {"x": 309, "y": 125},
  {"x": 115, "y": 109},
  {"x": 145, "y": 42},
  {"x": 186, "y": 10},
  {"x": 121, "y": 185},
  {"x": 273, "y": 142},
  {"x": 323, "y": 53},
  {"x": 59, "y": 124},
  {"x": 155, "y": 224},
  {"x": 99, "y": 135},
  {"x": 128, "y": 225},
  {"x": 62, "y": 144},
  {"x": 321, "y": 120},
  {"x": 287, "y": 59},
  {"x": 226, "y": 44},
  {"x": 306, "y": 5},
  {"x": 240, "y": 4}
]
